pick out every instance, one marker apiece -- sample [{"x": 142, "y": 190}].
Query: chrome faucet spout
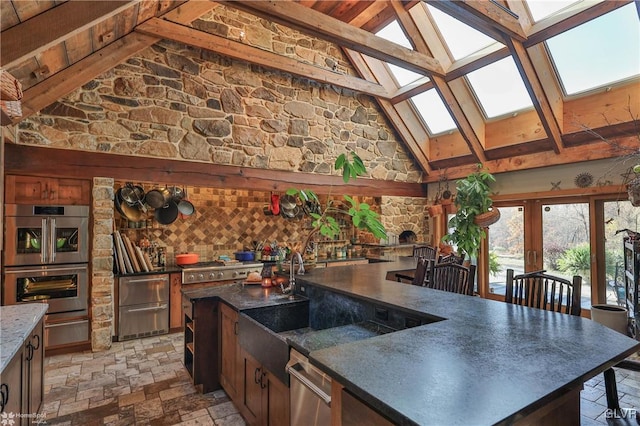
[{"x": 292, "y": 272}]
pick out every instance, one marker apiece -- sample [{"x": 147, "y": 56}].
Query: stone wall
[
  {"x": 407, "y": 214},
  {"x": 178, "y": 102},
  {"x": 102, "y": 279}
]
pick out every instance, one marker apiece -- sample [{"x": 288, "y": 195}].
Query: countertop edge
[{"x": 13, "y": 330}]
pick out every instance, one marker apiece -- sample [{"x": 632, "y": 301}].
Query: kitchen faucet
[{"x": 292, "y": 272}]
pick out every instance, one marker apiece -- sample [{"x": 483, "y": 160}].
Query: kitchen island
[{"x": 484, "y": 362}]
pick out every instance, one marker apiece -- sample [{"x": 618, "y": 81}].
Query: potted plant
[
  {"x": 324, "y": 220},
  {"x": 633, "y": 187},
  {"x": 474, "y": 214}
]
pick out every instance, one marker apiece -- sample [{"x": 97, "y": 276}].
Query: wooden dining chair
[
  {"x": 543, "y": 291},
  {"x": 451, "y": 258},
  {"x": 452, "y": 277},
  {"x": 427, "y": 252}
]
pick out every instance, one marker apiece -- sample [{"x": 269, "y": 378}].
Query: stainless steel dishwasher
[
  {"x": 310, "y": 392},
  {"x": 143, "y": 306}
]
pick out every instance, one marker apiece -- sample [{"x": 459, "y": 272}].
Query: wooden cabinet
[
  {"x": 231, "y": 364},
  {"x": 45, "y": 190},
  {"x": 356, "y": 412},
  {"x": 201, "y": 344},
  {"x": 265, "y": 400},
  {"x": 176, "y": 316},
  {"x": 22, "y": 382}
]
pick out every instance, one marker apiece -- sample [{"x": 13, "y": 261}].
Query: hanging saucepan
[
  {"x": 167, "y": 214},
  {"x": 177, "y": 194},
  {"x": 158, "y": 198},
  {"x": 133, "y": 195},
  {"x": 133, "y": 214},
  {"x": 185, "y": 207}
]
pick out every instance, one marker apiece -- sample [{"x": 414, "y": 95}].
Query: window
[
  {"x": 541, "y": 9},
  {"x": 599, "y": 52},
  {"x": 392, "y": 32},
  {"x": 433, "y": 112},
  {"x": 499, "y": 88}
]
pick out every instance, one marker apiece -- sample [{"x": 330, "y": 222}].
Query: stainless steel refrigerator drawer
[
  {"x": 62, "y": 333},
  {"x": 143, "y": 320},
  {"x": 143, "y": 289}
]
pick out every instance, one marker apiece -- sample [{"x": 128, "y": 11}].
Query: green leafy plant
[
  {"x": 494, "y": 264},
  {"x": 472, "y": 199},
  {"x": 324, "y": 222},
  {"x": 576, "y": 260}
]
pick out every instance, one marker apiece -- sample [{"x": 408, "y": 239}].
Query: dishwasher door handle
[{"x": 297, "y": 371}]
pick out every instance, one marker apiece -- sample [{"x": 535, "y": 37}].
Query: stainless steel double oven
[{"x": 46, "y": 260}]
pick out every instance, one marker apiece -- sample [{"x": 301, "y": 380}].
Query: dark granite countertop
[{"x": 487, "y": 362}]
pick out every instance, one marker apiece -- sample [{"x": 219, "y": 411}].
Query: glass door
[
  {"x": 538, "y": 235},
  {"x": 566, "y": 247}
]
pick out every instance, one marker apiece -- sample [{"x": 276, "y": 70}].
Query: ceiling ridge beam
[
  {"x": 335, "y": 31},
  {"x": 47, "y": 29},
  {"x": 226, "y": 47}
]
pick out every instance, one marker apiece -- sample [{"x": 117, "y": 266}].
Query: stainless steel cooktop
[{"x": 216, "y": 271}]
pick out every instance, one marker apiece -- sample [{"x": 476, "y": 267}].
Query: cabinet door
[
  {"x": 11, "y": 387},
  {"x": 176, "y": 316},
  {"x": 72, "y": 191},
  {"x": 230, "y": 379},
  {"x": 36, "y": 369},
  {"x": 27, "y": 190},
  {"x": 252, "y": 398},
  {"x": 275, "y": 401}
]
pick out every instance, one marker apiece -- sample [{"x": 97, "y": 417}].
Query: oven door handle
[
  {"x": 48, "y": 270},
  {"x": 52, "y": 240},
  {"x": 44, "y": 243},
  {"x": 297, "y": 371},
  {"x": 153, "y": 308}
]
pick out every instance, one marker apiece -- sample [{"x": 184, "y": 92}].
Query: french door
[{"x": 532, "y": 235}]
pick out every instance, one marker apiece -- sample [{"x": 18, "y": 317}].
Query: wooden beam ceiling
[{"x": 343, "y": 34}]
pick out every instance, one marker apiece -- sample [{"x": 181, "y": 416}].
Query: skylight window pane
[
  {"x": 541, "y": 9},
  {"x": 598, "y": 52},
  {"x": 499, "y": 88},
  {"x": 461, "y": 39},
  {"x": 433, "y": 112},
  {"x": 392, "y": 32}
]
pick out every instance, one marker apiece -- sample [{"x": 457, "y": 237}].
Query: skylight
[
  {"x": 392, "y": 32},
  {"x": 541, "y": 9},
  {"x": 499, "y": 88},
  {"x": 599, "y": 52},
  {"x": 461, "y": 39},
  {"x": 433, "y": 112}
]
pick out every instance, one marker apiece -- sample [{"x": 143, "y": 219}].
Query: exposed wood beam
[
  {"x": 368, "y": 14},
  {"x": 582, "y": 153},
  {"x": 486, "y": 56},
  {"x": 66, "y": 81},
  {"x": 48, "y": 29},
  {"x": 193, "y": 37},
  {"x": 83, "y": 164},
  {"x": 467, "y": 130},
  {"x": 488, "y": 17},
  {"x": 406, "y": 135},
  {"x": 572, "y": 17},
  {"x": 538, "y": 96},
  {"x": 189, "y": 11},
  {"x": 410, "y": 90},
  {"x": 335, "y": 31},
  {"x": 471, "y": 134}
]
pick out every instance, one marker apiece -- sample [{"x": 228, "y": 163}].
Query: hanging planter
[
  {"x": 435, "y": 210},
  {"x": 633, "y": 189},
  {"x": 487, "y": 219}
]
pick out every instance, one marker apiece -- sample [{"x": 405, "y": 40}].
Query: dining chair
[
  {"x": 543, "y": 291},
  {"x": 452, "y": 277},
  {"x": 540, "y": 290},
  {"x": 451, "y": 258},
  {"x": 425, "y": 251}
]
